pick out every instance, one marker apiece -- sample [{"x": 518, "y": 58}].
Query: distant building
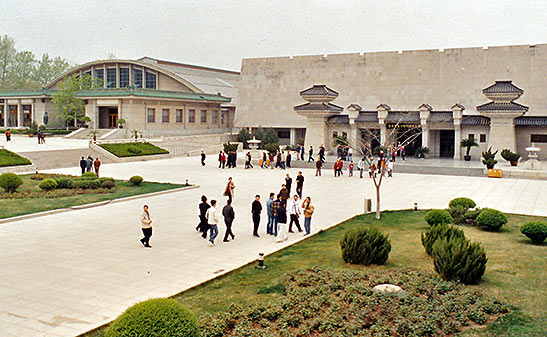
[{"x": 153, "y": 96}]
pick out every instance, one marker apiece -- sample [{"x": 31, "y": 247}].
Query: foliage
[
  {"x": 155, "y": 317},
  {"x": 133, "y": 149},
  {"x": 272, "y": 148},
  {"x": 270, "y": 137},
  {"x": 509, "y": 155},
  {"x": 136, "y": 180},
  {"x": 459, "y": 209},
  {"x": 464, "y": 202},
  {"x": 48, "y": 184},
  {"x": 89, "y": 175},
  {"x": 365, "y": 245},
  {"x": 229, "y": 147},
  {"x": 108, "y": 184},
  {"x": 438, "y": 217},
  {"x": 440, "y": 232},
  {"x": 491, "y": 219},
  {"x": 64, "y": 182},
  {"x": 377, "y": 149},
  {"x": 535, "y": 231},
  {"x": 422, "y": 150},
  {"x": 243, "y": 136},
  {"x": 121, "y": 121},
  {"x": 459, "y": 259},
  {"x": 10, "y": 182},
  {"x": 68, "y": 107},
  {"x": 258, "y": 133},
  {"x": 86, "y": 183},
  {"x": 8, "y": 158},
  {"x": 471, "y": 215},
  {"x": 468, "y": 143},
  {"x": 488, "y": 157},
  {"x": 340, "y": 140}
]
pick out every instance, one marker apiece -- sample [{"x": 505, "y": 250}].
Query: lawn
[
  {"x": 133, "y": 149},
  {"x": 514, "y": 273},
  {"x": 8, "y": 158},
  {"x": 21, "y": 206}
]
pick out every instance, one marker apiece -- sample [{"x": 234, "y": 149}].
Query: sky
[{"x": 221, "y": 33}]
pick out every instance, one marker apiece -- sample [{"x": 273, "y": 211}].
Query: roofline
[{"x": 193, "y": 66}]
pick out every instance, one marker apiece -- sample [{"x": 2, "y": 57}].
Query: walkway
[{"x": 64, "y": 274}]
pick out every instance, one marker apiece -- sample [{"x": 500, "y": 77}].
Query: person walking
[
  {"x": 203, "y": 226},
  {"x": 229, "y": 216},
  {"x": 297, "y": 151},
  {"x": 83, "y": 164},
  {"x": 299, "y": 183},
  {"x": 322, "y": 153},
  {"x": 275, "y": 206},
  {"x": 310, "y": 152},
  {"x": 212, "y": 221},
  {"x": 284, "y": 193},
  {"x": 219, "y": 159},
  {"x": 308, "y": 212},
  {"x": 294, "y": 211},
  {"x": 229, "y": 190},
  {"x": 360, "y": 167},
  {"x": 8, "y": 135},
  {"x": 282, "y": 223},
  {"x": 89, "y": 163},
  {"x": 390, "y": 165},
  {"x": 350, "y": 154},
  {"x": 203, "y": 158},
  {"x": 146, "y": 226},
  {"x": 97, "y": 165},
  {"x": 288, "y": 160},
  {"x": 269, "y": 211},
  {"x": 318, "y": 165},
  {"x": 256, "y": 208},
  {"x": 288, "y": 183},
  {"x": 350, "y": 169},
  {"x": 222, "y": 160},
  {"x": 302, "y": 153}
]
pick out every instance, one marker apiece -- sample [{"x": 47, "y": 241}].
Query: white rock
[{"x": 388, "y": 288}]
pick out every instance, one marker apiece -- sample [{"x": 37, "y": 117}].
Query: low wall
[{"x": 18, "y": 169}]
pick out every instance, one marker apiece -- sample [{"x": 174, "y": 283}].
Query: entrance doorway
[
  {"x": 12, "y": 115},
  {"x": 411, "y": 137},
  {"x": 108, "y": 117},
  {"x": 446, "y": 148}
]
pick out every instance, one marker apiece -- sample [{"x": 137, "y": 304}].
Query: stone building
[
  {"x": 439, "y": 92},
  {"x": 153, "y": 96}
]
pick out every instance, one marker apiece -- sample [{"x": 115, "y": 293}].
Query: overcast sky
[{"x": 221, "y": 33}]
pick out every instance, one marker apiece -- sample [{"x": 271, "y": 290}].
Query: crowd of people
[{"x": 88, "y": 164}]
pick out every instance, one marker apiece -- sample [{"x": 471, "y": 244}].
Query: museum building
[{"x": 155, "y": 97}]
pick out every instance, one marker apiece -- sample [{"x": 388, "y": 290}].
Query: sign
[{"x": 494, "y": 173}]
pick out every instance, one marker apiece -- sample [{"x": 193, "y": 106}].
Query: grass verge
[
  {"x": 133, "y": 149},
  {"x": 8, "y": 158}
]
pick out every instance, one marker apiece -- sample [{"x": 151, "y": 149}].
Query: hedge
[{"x": 535, "y": 231}]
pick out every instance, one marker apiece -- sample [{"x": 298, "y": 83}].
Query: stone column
[
  {"x": 425, "y": 136},
  {"x": 19, "y": 114},
  {"x": 292, "y": 139},
  {"x": 383, "y": 110},
  {"x": 457, "y": 114},
  {"x": 425, "y": 111}
]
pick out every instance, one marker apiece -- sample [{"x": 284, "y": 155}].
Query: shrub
[
  {"x": 365, "y": 246},
  {"x": 464, "y": 202},
  {"x": 458, "y": 214},
  {"x": 477, "y": 316},
  {"x": 271, "y": 147},
  {"x": 535, "y": 231},
  {"x": 459, "y": 259},
  {"x": 471, "y": 215},
  {"x": 136, "y": 180},
  {"x": 155, "y": 317},
  {"x": 87, "y": 184},
  {"x": 103, "y": 179},
  {"x": 108, "y": 184},
  {"x": 229, "y": 147},
  {"x": 491, "y": 219},
  {"x": 509, "y": 155},
  {"x": 89, "y": 175},
  {"x": 438, "y": 217},
  {"x": 48, "y": 184},
  {"x": 440, "y": 232},
  {"x": 64, "y": 182},
  {"x": 10, "y": 182}
]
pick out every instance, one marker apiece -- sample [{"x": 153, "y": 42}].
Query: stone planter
[
  {"x": 467, "y": 158},
  {"x": 490, "y": 167},
  {"x": 514, "y": 163}
]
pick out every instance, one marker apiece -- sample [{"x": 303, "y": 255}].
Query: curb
[{"x": 95, "y": 204}]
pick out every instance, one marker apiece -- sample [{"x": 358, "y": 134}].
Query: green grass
[
  {"x": 133, "y": 149},
  {"x": 15, "y": 207},
  {"x": 514, "y": 272},
  {"x": 8, "y": 158}
]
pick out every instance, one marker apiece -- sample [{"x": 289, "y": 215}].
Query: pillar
[
  {"x": 383, "y": 110},
  {"x": 425, "y": 111},
  {"x": 19, "y": 114},
  {"x": 292, "y": 136},
  {"x": 425, "y": 136},
  {"x": 457, "y": 114},
  {"x": 383, "y": 134},
  {"x": 316, "y": 133}
]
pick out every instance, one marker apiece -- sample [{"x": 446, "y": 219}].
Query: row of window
[
  {"x": 120, "y": 79},
  {"x": 335, "y": 134},
  {"x": 482, "y": 137},
  {"x": 179, "y": 116}
]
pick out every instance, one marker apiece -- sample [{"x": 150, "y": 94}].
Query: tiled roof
[
  {"x": 503, "y": 87},
  {"x": 355, "y": 106},
  {"x": 340, "y": 119},
  {"x": 26, "y": 93},
  {"x": 501, "y": 106},
  {"x": 384, "y": 106},
  {"x": 427, "y": 106},
  {"x": 440, "y": 117},
  {"x": 319, "y": 90},
  {"x": 368, "y": 117},
  {"x": 531, "y": 121},
  {"x": 457, "y": 105},
  {"x": 475, "y": 120},
  {"x": 403, "y": 117},
  {"x": 152, "y": 93},
  {"x": 319, "y": 107}
]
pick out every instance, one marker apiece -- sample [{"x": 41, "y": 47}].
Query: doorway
[
  {"x": 446, "y": 149},
  {"x": 411, "y": 137},
  {"x": 108, "y": 117},
  {"x": 12, "y": 116}
]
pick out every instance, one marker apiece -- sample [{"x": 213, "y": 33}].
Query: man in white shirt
[
  {"x": 295, "y": 211},
  {"x": 212, "y": 219},
  {"x": 361, "y": 167},
  {"x": 350, "y": 154}
]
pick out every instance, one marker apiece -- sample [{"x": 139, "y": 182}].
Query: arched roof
[{"x": 168, "y": 73}]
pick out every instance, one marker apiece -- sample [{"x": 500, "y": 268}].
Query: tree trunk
[{"x": 378, "y": 202}]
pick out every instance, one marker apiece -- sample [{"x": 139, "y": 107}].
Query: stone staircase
[
  {"x": 83, "y": 133},
  {"x": 45, "y": 160}
]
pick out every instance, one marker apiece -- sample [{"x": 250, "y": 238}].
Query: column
[
  {"x": 383, "y": 133},
  {"x": 383, "y": 110},
  {"x": 425, "y": 136},
  {"x": 292, "y": 136},
  {"x": 457, "y": 141},
  {"x": 3, "y": 122},
  {"x": 19, "y": 114}
]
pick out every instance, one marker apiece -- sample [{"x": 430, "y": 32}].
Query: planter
[
  {"x": 490, "y": 167},
  {"x": 514, "y": 163},
  {"x": 31, "y": 135},
  {"x": 467, "y": 158}
]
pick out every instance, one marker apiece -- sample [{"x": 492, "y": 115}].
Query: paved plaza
[{"x": 66, "y": 273}]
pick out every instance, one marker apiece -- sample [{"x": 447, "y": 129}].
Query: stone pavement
[
  {"x": 23, "y": 143},
  {"x": 64, "y": 274}
]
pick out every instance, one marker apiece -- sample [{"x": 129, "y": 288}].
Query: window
[
  {"x": 151, "y": 114},
  {"x": 110, "y": 77},
  {"x": 214, "y": 118},
  {"x": 334, "y": 134},
  {"x": 191, "y": 116},
  {"x": 137, "y": 78},
  {"x": 124, "y": 77},
  {"x": 204, "y": 116},
  {"x": 99, "y": 76},
  {"x": 150, "y": 80},
  {"x": 87, "y": 74},
  {"x": 471, "y": 136},
  {"x": 482, "y": 138},
  {"x": 165, "y": 115},
  {"x": 538, "y": 138},
  {"x": 178, "y": 116}
]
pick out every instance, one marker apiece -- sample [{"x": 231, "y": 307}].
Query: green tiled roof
[{"x": 26, "y": 93}]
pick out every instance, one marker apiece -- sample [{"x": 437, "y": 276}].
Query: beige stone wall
[
  {"x": 269, "y": 87},
  {"x": 523, "y": 141},
  {"x": 476, "y": 152},
  {"x": 168, "y": 83}
]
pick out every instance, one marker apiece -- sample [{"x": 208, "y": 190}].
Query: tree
[
  {"x": 7, "y": 57},
  {"x": 48, "y": 69},
  {"x": 70, "y": 108},
  {"x": 22, "y": 70}
]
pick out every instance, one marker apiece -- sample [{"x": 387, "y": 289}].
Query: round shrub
[
  {"x": 108, "y": 184},
  {"x": 440, "y": 232},
  {"x": 48, "y": 184},
  {"x": 365, "y": 246},
  {"x": 10, "y": 182},
  {"x": 89, "y": 175},
  {"x": 87, "y": 184},
  {"x": 472, "y": 214},
  {"x": 64, "y": 182},
  {"x": 459, "y": 259},
  {"x": 136, "y": 180},
  {"x": 491, "y": 219},
  {"x": 535, "y": 231},
  {"x": 103, "y": 179},
  {"x": 438, "y": 217},
  {"x": 155, "y": 317},
  {"x": 463, "y": 202}
]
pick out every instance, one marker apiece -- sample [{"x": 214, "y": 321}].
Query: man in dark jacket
[
  {"x": 256, "y": 208},
  {"x": 203, "y": 225},
  {"x": 229, "y": 215},
  {"x": 288, "y": 183},
  {"x": 310, "y": 152},
  {"x": 322, "y": 153},
  {"x": 83, "y": 164},
  {"x": 284, "y": 192},
  {"x": 299, "y": 184}
]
